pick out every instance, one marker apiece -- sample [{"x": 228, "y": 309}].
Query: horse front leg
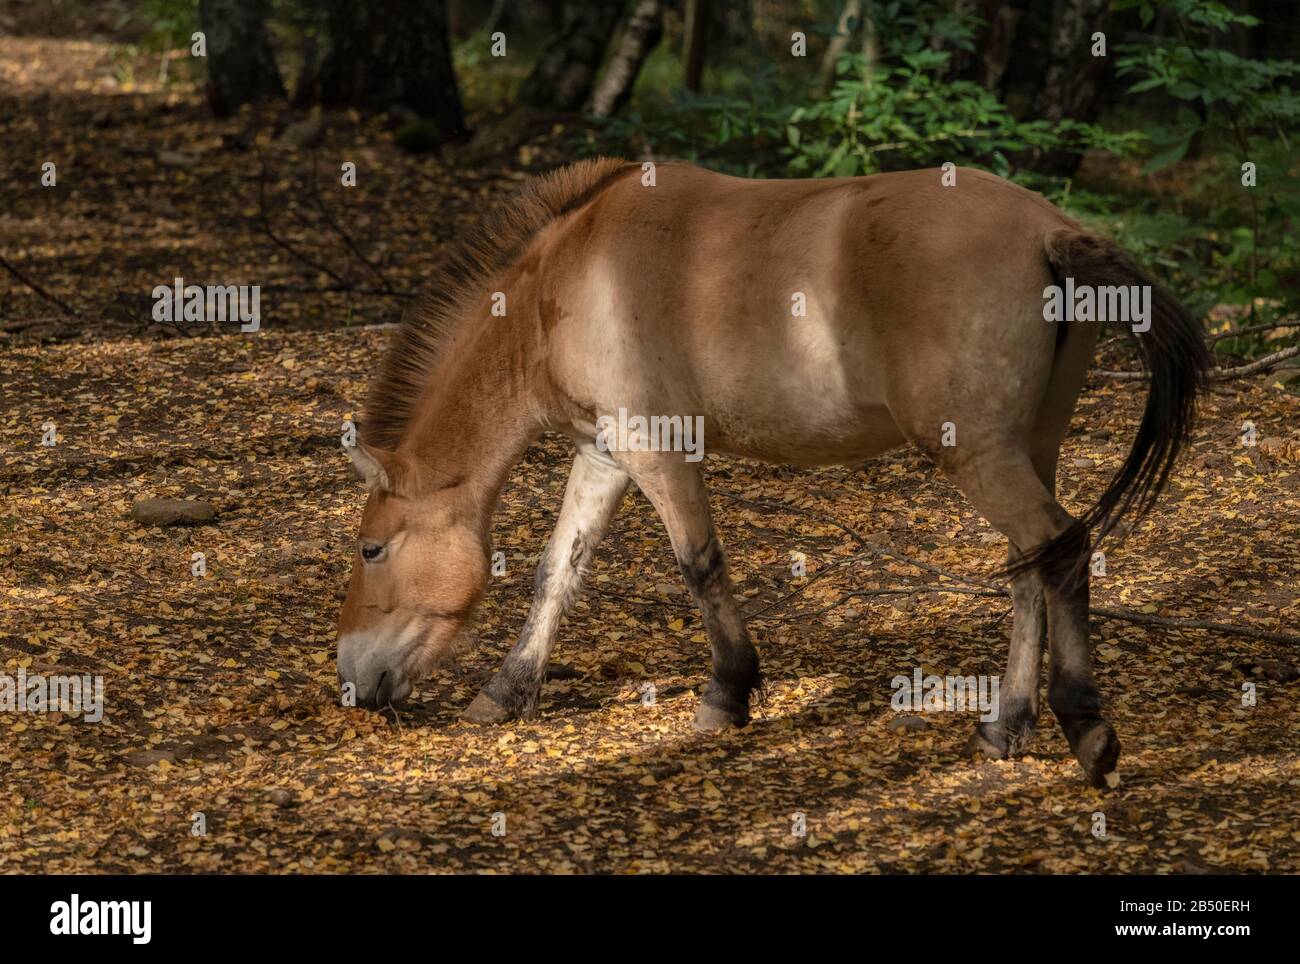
[
  {"x": 593, "y": 494},
  {"x": 676, "y": 489}
]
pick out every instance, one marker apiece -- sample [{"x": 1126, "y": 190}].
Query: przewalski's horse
[{"x": 670, "y": 292}]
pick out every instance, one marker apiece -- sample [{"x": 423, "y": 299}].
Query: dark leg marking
[
  {"x": 1011, "y": 734},
  {"x": 517, "y": 686},
  {"x": 1007, "y": 736},
  {"x": 725, "y": 698},
  {"x": 1071, "y": 690}
]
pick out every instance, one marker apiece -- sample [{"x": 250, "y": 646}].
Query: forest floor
[{"x": 221, "y": 692}]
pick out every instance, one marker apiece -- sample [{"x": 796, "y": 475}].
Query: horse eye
[{"x": 372, "y": 551}]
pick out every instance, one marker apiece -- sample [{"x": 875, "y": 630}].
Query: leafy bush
[
  {"x": 899, "y": 110},
  {"x": 879, "y": 117},
  {"x": 1253, "y": 256}
]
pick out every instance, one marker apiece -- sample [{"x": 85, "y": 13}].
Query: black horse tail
[{"x": 1173, "y": 352}]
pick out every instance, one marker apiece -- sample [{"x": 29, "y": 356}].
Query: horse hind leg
[
  {"x": 1004, "y": 487},
  {"x": 1011, "y": 733}
]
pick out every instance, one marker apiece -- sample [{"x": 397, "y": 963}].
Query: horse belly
[{"x": 780, "y": 416}]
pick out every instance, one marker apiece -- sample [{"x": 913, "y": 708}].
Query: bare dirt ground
[{"x": 221, "y": 691}]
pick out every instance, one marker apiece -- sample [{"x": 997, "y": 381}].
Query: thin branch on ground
[
  {"x": 1177, "y": 623},
  {"x": 1265, "y": 363},
  {"x": 991, "y": 589},
  {"x": 1221, "y": 374},
  {"x": 314, "y": 191},
  {"x": 1258, "y": 365},
  {"x": 868, "y": 593},
  {"x": 337, "y": 289},
  {"x": 31, "y": 283},
  {"x": 1255, "y": 329},
  {"x": 345, "y": 284},
  {"x": 861, "y": 540}
]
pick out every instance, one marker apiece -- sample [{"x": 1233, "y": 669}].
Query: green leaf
[{"x": 1167, "y": 158}]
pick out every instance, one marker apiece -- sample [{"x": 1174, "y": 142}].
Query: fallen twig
[
  {"x": 861, "y": 540},
  {"x": 52, "y": 299},
  {"x": 1222, "y": 374},
  {"x": 866, "y": 593},
  {"x": 991, "y": 589},
  {"x": 1255, "y": 329},
  {"x": 314, "y": 191},
  {"x": 1258, "y": 365},
  {"x": 1174, "y": 623},
  {"x": 346, "y": 284}
]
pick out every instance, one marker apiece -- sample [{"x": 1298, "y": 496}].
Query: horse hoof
[
  {"x": 1098, "y": 752},
  {"x": 714, "y": 719},
  {"x": 486, "y": 711},
  {"x": 981, "y": 746}
]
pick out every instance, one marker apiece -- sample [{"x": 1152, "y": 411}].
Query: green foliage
[
  {"x": 1249, "y": 252},
  {"x": 899, "y": 110},
  {"x": 166, "y": 24},
  {"x": 487, "y": 81},
  {"x": 741, "y": 132},
  {"x": 1251, "y": 96},
  {"x": 908, "y": 115}
]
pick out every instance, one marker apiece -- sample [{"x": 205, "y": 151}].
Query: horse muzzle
[{"x": 377, "y": 670}]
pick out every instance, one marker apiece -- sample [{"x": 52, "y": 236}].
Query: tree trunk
[
  {"x": 697, "y": 19},
  {"x": 644, "y": 29},
  {"x": 870, "y": 43},
  {"x": 850, "y": 18},
  {"x": 241, "y": 66},
  {"x": 994, "y": 42},
  {"x": 385, "y": 53},
  {"x": 1074, "y": 85},
  {"x": 566, "y": 71}
]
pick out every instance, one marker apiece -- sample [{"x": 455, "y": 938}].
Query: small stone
[
  {"x": 172, "y": 512},
  {"x": 281, "y": 797},
  {"x": 913, "y": 724},
  {"x": 176, "y": 159},
  {"x": 1083, "y": 463}
]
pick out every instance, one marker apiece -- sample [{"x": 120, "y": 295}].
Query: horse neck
[{"x": 480, "y": 411}]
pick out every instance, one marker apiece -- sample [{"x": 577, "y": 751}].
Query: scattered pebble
[{"x": 172, "y": 512}]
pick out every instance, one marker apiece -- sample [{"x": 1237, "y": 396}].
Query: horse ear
[{"x": 373, "y": 465}]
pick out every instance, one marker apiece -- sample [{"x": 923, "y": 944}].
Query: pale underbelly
[{"x": 801, "y": 440}]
